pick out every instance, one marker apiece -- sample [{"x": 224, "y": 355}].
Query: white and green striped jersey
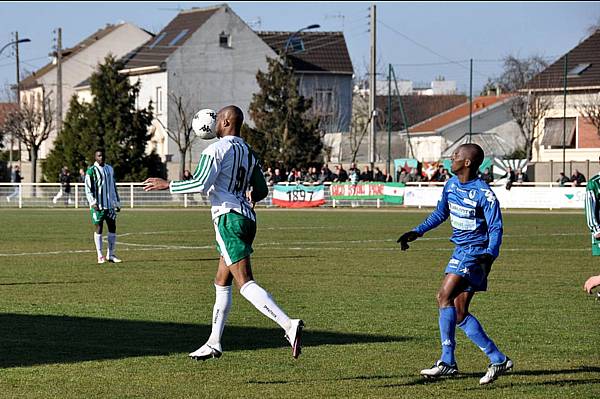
[
  {"x": 592, "y": 204},
  {"x": 223, "y": 173},
  {"x": 101, "y": 188}
]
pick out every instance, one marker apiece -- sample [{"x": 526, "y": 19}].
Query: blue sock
[
  {"x": 470, "y": 325},
  {"x": 448, "y": 334}
]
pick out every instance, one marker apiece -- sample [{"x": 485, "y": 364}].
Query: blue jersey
[{"x": 474, "y": 214}]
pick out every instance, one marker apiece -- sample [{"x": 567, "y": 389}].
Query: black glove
[
  {"x": 485, "y": 260},
  {"x": 406, "y": 238}
]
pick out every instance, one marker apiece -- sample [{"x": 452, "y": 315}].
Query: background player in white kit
[{"x": 226, "y": 170}]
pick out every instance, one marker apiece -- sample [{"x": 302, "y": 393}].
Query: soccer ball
[{"x": 204, "y": 124}]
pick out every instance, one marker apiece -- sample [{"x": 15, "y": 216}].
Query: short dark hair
[
  {"x": 99, "y": 150},
  {"x": 475, "y": 153}
]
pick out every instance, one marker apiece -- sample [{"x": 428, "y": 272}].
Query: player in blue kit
[{"x": 477, "y": 232}]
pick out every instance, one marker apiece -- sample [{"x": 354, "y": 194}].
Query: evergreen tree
[
  {"x": 74, "y": 146},
  {"x": 284, "y": 134},
  {"x": 111, "y": 121}
]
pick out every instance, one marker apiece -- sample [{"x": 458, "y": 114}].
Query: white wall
[
  {"x": 149, "y": 83},
  {"x": 427, "y": 148},
  {"x": 80, "y": 66}
]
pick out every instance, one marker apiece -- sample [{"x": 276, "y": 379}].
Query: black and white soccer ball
[{"x": 204, "y": 124}]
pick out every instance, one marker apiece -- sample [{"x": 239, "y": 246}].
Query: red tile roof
[
  {"x": 323, "y": 51},
  {"x": 453, "y": 115},
  {"x": 416, "y": 107}
]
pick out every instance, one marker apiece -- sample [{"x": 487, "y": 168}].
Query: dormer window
[
  {"x": 225, "y": 40},
  {"x": 295, "y": 45},
  {"x": 578, "y": 70}
]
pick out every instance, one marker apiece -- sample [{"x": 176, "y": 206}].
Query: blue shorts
[{"x": 463, "y": 263}]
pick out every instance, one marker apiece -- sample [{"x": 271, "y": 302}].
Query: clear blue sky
[{"x": 409, "y": 33}]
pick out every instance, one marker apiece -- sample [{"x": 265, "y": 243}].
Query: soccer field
[{"x": 70, "y": 328}]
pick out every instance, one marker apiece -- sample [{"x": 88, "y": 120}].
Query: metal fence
[{"x": 45, "y": 195}]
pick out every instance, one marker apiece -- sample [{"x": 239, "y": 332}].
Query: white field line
[{"x": 291, "y": 245}]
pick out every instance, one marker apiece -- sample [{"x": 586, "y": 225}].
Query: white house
[{"x": 78, "y": 63}]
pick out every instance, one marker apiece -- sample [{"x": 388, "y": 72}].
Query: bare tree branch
[
  {"x": 528, "y": 111},
  {"x": 32, "y": 124},
  {"x": 182, "y": 133}
]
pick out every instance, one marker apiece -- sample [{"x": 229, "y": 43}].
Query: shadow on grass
[
  {"x": 27, "y": 340},
  {"x": 546, "y": 372}
]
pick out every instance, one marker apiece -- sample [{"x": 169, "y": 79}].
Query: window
[
  {"x": 159, "y": 100},
  {"x": 323, "y": 102},
  {"x": 225, "y": 40},
  {"x": 158, "y": 39},
  {"x": 295, "y": 45},
  {"x": 578, "y": 70},
  {"x": 553, "y": 132},
  {"x": 178, "y": 37}
]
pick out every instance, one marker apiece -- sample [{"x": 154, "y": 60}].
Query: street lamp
[
  {"x": 16, "y": 43},
  {"x": 293, "y": 35}
]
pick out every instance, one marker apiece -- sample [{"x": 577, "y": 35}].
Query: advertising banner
[
  {"x": 298, "y": 196},
  {"x": 393, "y": 193},
  {"x": 349, "y": 191},
  {"x": 516, "y": 197}
]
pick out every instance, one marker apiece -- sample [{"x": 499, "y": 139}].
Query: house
[
  {"x": 209, "y": 57},
  {"x": 322, "y": 64},
  {"x": 492, "y": 126},
  {"x": 581, "y": 136},
  {"x": 78, "y": 63}
]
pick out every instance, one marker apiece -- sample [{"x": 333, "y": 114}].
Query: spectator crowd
[{"x": 423, "y": 172}]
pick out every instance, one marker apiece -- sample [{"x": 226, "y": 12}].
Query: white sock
[
  {"x": 262, "y": 301},
  {"x": 112, "y": 242},
  {"x": 98, "y": 242},
  {"x": 220, "y": 312}
]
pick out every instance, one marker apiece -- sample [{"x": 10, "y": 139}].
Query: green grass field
[{"x": 70, "y": 328}]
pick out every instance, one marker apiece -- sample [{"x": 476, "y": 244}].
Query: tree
[
  {"x": 359, "y": 124},
  {"x": 589, "y": 108},
  {"x": 32, "y": 123},
  {"x": 74, "y": 146},
  {"x": 527, "y": 108},
  {"x": 182, "y": 134},
  {"x": 517, "y": 72},
  {"x": 285, "y": 134},
  {"x": 111, "y": 121},
  {"x": 528, "y": 111}
]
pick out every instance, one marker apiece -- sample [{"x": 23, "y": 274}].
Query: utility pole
[
  {"x": 59, "y": 81},
  {"x": 389, "y": 120},
  {"x": 471, "y": 101},
  {"x": 373, "y": 89},
  {"x": 12, "y": 137},
  {"x": 565, "y": 112}
]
